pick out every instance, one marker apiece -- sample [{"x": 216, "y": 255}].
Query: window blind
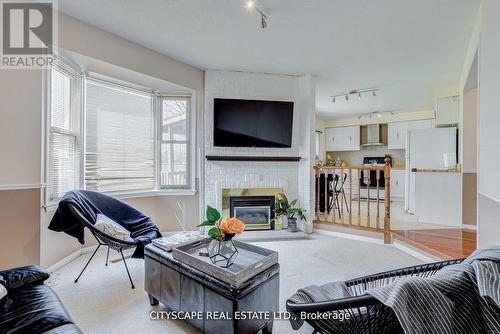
[
  {"x": 64, "y": 133},
  {"x": 119, "y": 150},
  {"x": 174, "y": 142}
]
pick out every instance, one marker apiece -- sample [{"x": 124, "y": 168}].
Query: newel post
[{"x": 387, "y": 218}]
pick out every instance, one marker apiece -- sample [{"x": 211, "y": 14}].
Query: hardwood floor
[{"x": 449, "y": 243}]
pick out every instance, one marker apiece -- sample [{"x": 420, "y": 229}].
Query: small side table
[{"x": 181, "y": 287}]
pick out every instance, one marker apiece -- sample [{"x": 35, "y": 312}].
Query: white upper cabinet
[
  {"x": 342, "y": 139},
  {"x": 334, "y": 139},
  {"x": 396, "y": 135},
  {"x": 397, "y": 132},
  {"x": 352, "y": 138},
  {"x": 447, "y": 111}
]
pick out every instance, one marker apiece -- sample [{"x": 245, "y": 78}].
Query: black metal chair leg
[
  {"x": 107, "y": 256},
  {"x": 338, "y": 206},
  {"x": 128, "y": 273},
  {"x": 76, "y": 280},
  {"x": 345, "y": 201}
]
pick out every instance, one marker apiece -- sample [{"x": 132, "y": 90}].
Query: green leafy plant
[
  {"x": 213, "y": 218},
  {"x": 222, "y": 230},
  {"x": 284, "y": 208}
]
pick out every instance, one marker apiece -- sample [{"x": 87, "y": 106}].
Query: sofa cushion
[
  {"x": 3, "y": 290},
  {"x": 112, "y": 228},
  {"x": 33, "y": 309},
  {"x": 22, "y": 276}
]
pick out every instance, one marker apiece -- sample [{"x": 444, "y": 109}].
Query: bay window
[
  {"x": 130, "y": 140},
  {"x": 64, "y": 136},
  {"x": 119, "y": 147},
  {"x": 174, "y": 142}
]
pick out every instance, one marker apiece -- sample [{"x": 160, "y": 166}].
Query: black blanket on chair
[{"x": 142, "y": 229}]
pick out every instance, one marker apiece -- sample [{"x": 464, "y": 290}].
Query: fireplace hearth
[{"x": 257, "y": 212}]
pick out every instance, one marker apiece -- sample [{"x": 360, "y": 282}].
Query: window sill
[{"x": 143, "y": 194}]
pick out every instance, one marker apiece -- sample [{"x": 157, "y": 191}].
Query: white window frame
[
  {"x": 188, "y": 190},
  {"x": 189, "y": 141},
  {"x": 126, "y": 86},
  {"x": 66, "y": 68}
]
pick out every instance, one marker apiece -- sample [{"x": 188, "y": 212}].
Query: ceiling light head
[
  {"x": 359, "y": 116},
  {"x": 250, "y": 4},
  {"x": 333, "y": 99},
  {"x": 374, "y": 93},
  {"x": 347, "y": 97},
  {"x": 263, "y": 21}
]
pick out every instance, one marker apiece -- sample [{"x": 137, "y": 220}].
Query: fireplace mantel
[{"x": 251, "y": 158}]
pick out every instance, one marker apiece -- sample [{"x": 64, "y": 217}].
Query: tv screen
[{"x": 252, "y": 123}]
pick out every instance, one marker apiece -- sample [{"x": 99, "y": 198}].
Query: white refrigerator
[{"x": 426, "y": 149}]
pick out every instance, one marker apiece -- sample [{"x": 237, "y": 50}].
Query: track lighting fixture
[
  {"x": 378, "y": 114},
  {"x": 263, "y": 17},
  {"x": 354, "y": 92}
]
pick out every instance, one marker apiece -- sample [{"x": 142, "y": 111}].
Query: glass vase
[{"x": 222, "y": 252}]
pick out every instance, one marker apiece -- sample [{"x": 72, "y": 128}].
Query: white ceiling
[{"x": 404, "y": 47}]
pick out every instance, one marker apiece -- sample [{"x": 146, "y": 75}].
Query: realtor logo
[{"x": 28, "y": 33}]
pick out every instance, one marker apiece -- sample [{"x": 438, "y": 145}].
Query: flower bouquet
[{"x": 221, "y": 249}]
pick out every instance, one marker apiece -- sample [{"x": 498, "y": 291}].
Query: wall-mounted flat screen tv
[{"x": 252, "y": 123}]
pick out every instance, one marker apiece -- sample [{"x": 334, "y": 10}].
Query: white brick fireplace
[{"x": 295, "y": 178}]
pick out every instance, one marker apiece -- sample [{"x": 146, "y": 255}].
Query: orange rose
[{"x": 232, "y": 226}]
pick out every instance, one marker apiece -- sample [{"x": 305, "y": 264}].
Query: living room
[{"x": 168, "y": 118}]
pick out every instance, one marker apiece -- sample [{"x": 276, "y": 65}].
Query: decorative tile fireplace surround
[{"x": 260, "y": 178}]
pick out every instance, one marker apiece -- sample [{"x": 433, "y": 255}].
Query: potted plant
[
  {"x": 287, "y": 210},
  {"x": 221, "y": 249}
]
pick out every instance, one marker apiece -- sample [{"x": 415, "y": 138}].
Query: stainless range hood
[{"x": 374, "y": 135}]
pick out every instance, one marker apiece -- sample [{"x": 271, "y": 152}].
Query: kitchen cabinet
[
  {"x": 447, "y": 111},
  {"x": 351, "y": 138},
  {"x": 397, "y": 184},
  {"x": 397, "y": 135},
  {"x": 334, "y": 139},
  {"x": 397, "y": 132},
  {"x": 342, "y": 138}
]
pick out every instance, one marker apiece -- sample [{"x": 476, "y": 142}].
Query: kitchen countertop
[
  {"x": 399, "y": 166},
  {"x": 435, "y": 170}
]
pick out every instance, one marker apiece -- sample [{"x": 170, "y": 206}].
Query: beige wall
[
  {"x": 469, "y": 199},
  {"x": 20, "y": 228},
  {"x": 21, "y": 100},
  {"x": 470, "y": 130},
  {"x": 25, "y": 237}
]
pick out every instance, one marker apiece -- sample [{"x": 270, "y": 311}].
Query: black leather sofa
[{"x": 31, "y": 306}]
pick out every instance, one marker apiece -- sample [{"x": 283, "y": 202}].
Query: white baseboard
[
  {"x": 414, "y": 253},
  {"x": 469, "y": 227},
  {"x": 69, "y": 258}
]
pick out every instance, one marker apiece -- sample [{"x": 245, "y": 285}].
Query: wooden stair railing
[{"x": 330, "y": 206}]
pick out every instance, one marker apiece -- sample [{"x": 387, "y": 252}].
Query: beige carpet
[{"x": 102, "y": 301}]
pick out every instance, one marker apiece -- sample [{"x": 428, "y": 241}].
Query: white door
[
  {"x": 334, "y": 139},
  {"x": 351, "y": 138},
  {"x": 397, "y": 135}
]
